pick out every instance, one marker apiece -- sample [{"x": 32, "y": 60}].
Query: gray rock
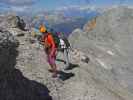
[
  {"x": 104, "y": 77},
  {"x": 17, "y": 32},
  {"x": 8, "y": 45},
  {"x": 109, "y": 46},
  {"x": 14, "y": 24},
  {"x": 85, "y": 59},
  {"x": 13, "y": 85},
  {"x": 12, "y": 21}
]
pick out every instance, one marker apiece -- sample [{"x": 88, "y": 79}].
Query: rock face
[
  {"x": 100, "y": 66},
  {"x": 8, "y": 50},
  {"x": 90, "y": 25},
  {"x": 74, "y": 84},
  {"x": 12, "y": 21},
  {"x": 13, "y": 85},
  {"x": 109, "y": 46},
  {"x": 30, "y": 74}
]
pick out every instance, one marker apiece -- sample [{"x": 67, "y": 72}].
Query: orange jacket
[{"x": 48, "y": 40}]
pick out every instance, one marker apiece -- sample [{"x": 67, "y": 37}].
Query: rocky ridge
[
  {"x": 28, "y": 77},
  {"x": 109, "y": 47}
]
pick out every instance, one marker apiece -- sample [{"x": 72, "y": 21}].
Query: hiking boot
[
  {"x": 51, "y": 70},
  {"x": 67, "y": 68},
  {"x": 54, "y": 75}
]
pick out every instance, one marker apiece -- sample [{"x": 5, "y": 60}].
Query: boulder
[{"x": 12, "y": 21}]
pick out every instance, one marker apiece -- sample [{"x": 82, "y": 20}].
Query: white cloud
[
  {"x": 17, "y": 5},
  {"x": 78, "y": 7},
  {"x": 18, "y": 2},
  {"x": 19, "y": 9}
]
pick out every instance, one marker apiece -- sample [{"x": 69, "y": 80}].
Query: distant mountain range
[{"x": 65, "y": 19}]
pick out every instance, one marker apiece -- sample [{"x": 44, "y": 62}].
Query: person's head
[{"x": 42, "y": 29}]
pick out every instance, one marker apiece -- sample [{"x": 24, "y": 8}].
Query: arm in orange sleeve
[
  {"x": 53, "y": 46},
  {"x": 51, "y": 41}
]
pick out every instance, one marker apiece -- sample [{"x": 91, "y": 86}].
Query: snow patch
[
  {"x": 102, "y": 64},
  {"x": 110, "y": 53}
]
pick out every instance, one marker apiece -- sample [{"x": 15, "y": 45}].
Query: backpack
[
  {"x": 56, "y": 39},
  {"x": 55, "y": 36},
  {"x": 64, "y": 38}
]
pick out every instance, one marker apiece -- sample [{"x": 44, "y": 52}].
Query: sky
[
  {"x": 37, "y": 5},
  {"x": 59, "y": 3}
]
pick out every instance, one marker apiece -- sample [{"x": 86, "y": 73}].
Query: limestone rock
[{"x": 109, "y": 46}]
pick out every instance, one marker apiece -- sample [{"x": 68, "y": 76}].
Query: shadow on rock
[
  {"x": 72, "y": 66},
  {"x": 13, "y": 85},
  {"x": 65, "y": 76}
]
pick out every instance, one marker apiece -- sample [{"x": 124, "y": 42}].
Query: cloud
[
  {"x": 17, "y": 5},
  {"x": 20, "y": 9},
  {"x": 18, "y": 2},
  {"x": 77, "y": 7}
]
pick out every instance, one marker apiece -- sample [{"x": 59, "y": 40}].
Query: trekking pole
[{"x": 70, "y": 48}]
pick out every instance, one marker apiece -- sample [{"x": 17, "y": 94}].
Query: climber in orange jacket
[{"x": 50, "y": 49}]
